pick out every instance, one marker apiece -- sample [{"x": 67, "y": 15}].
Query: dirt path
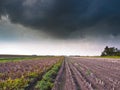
[{"x": 89, "y": 74}]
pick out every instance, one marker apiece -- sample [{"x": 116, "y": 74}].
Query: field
[
  {"x": 82, "y": 73},
  {"x": 60, "y": 73},
  {"x": 22, "y": 73}
]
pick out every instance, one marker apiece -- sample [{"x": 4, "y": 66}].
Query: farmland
[
  {"x": 60, "y": 73},
  {"x": 82, "y": 73},
  {"x": 22, "y": 74}
]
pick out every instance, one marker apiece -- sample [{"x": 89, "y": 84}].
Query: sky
[{"x": 59, "y": 27}]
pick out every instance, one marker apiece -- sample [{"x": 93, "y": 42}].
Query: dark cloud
[{"x": 60, "y": 18}]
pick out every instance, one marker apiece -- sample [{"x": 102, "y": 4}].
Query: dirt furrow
[
  {"x": 83, "y": 83},
  {"x": 104, "y": 75},
  {"x": 69, "y": 83},
  {"x": 60, "y": 79},
  {"x": 90, "y": 76}
]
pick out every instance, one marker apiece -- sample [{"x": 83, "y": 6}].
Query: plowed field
[{"x": 78, "y": 73}]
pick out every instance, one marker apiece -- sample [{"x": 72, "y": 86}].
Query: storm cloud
[{"x": 64, "y": 18}]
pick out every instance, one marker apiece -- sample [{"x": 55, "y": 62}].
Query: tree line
[{"x": 110, "y": 51}]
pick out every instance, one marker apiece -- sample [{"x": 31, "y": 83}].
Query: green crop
[{"x": 48, "y": 79}]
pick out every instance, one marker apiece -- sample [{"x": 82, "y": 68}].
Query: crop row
[
  {"x": 18, "y": 75},
  {"x": 48, "y": 79}
]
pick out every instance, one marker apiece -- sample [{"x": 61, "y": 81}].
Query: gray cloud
[{"x": 63, "y": 18}]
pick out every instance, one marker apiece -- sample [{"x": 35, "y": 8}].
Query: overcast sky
[{"x": 59, "y": 27}]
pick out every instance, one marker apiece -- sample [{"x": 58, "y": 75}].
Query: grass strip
[
  {"x": 3, "y": 60},
  {"x": 13, "y": 59},
  {"x": 116, "y": 57},
  {"x": 111, "y": 57}
]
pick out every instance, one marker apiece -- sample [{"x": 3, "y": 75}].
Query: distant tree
[{"x": 110, "y": 51}]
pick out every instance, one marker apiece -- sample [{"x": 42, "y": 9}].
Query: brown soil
[{"x": 79, "y": 73}]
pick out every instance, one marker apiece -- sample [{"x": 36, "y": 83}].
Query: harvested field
[{"x": 78, "y": 73}]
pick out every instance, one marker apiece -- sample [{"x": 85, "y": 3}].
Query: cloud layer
[{"x": 64, "y": 18}]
